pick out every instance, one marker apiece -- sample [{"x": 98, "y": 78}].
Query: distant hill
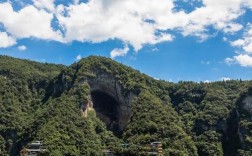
[{"x": 98, "y": 104}]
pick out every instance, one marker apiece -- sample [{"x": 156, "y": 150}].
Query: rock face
[
  {"x": 243, "y": 132},
  {"x": 111, "y": 106},
  {"x": 248, "y": 105}
]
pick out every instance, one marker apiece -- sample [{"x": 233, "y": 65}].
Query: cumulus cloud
[
  {"x": 134, "y": 22},
  {"x": 28, "y": 22},
  {"x": 119, "y": 52},
  {"x": 103, "y": 20},
  {"x": 246, "y": 41},
  {"x": 248, "y": 3},
  {"x": 218, "y": 14},
  {"x": 6, "y": 40},
  {"x": 22, "y": 48},
  {"x": 44, "y": 4},
  {"x": 243, "y": 59},
  {"x": 76, "y": 1},
  {"x": 238, "y": 43}
]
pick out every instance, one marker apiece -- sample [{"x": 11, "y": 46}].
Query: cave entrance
[{"x": 107, "y": 109}]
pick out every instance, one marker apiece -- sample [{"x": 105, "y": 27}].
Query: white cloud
[
  {"x": 241, "y": 59},
  {"x": 244, "y": 60},
  {"x": 28, "y": 22},
  {"x": 135, "y": 23},
  {"x": 238, "y": 43},
  {"x": 248, "y": 3},
  {"x": 119, "y": 52},
  {"x": 22, "y": 48},
  {"x": 6, "y": 40},
  {"x": 128, "y": 20},
  {"x": 102, "y": 20},
  {"x": 229, "y": 61},
  {"x": 218, "y": 14},
  {"x": 76, "y": 1},
  {"x": 246, "y": 41},
  {"x": 44, "y": 4},
  {"x": 232, "y": 27},
  {"x": 78, "y": 57},
  {"x": 225, "y": 79}
]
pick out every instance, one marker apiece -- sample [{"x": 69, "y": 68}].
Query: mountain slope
[{"x": 97, "y": 104}]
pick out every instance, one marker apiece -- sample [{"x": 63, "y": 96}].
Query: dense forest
[{"x": 97, "y": 104}]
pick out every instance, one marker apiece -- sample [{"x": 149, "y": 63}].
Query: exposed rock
[
  {"x": 248, "y": 105},
  {"x": 86, "y": 107},
  {"x": 239, "y": 129},
  {"x": 113, "y": 107}
]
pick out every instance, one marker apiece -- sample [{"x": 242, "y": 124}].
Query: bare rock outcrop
[{"x": 108, "y": 86}]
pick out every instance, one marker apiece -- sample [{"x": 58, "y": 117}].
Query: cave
[
  {"x": 107, "y": 109},
  {"x": 110, "y": 102}
]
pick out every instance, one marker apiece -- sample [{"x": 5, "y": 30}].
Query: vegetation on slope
[
  {"x": 42, "y": 102},
  {"x": 23, "y": 85}
]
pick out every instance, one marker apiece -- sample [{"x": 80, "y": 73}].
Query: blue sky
[{"x": 173, "y": 40}]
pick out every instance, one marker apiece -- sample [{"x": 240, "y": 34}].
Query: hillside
[{"x": 98, "y": 104}]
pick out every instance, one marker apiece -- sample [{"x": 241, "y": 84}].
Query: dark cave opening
[{"x": 107, "y": 109}]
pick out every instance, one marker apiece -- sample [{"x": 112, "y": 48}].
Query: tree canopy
[{"x": 41, "y": 101}]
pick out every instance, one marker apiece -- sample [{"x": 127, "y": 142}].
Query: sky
[{"x": 172, "y": 40}]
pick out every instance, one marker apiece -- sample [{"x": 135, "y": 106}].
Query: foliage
[
  {"x": 41, "y": 101},
  {"x": 153, "y": 121}
]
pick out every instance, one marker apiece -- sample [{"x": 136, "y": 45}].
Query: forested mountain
[{"x": 97, "y": 104}]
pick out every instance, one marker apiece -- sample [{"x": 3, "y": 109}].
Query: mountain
[{"x": 97, "y": 104}]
